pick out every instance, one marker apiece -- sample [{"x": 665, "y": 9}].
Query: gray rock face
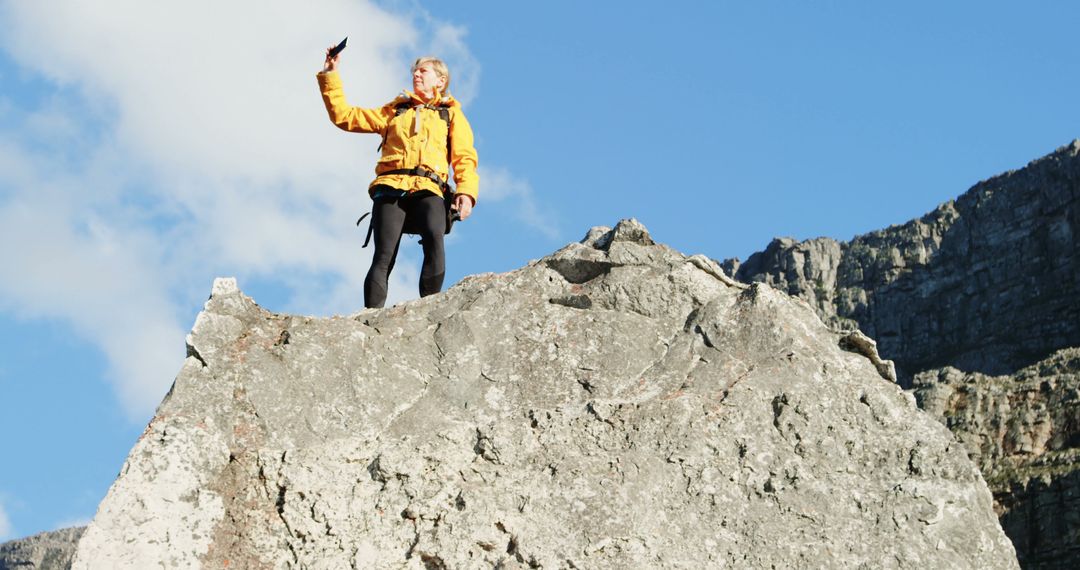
[
  {"x": 1024, "y": 431},
  {"x": 44, "y": 551},
  {"x": 989, "y": 282},
  {"x": 614, "y": 405}
]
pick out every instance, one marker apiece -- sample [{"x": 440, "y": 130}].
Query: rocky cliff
[
  {"x": 989, "y": 282},
  {"x": 1024, "y": 432},
  {"x": 613, "y": 405},
  {"x": 963, "y": 299},
  {"x": 44, "y": 551}
]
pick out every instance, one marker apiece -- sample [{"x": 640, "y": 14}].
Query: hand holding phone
[
  {"x": 330, "y": 64},
  {"x": 334, "y": 51}
]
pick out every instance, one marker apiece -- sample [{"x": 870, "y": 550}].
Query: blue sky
[{"x": 145, "y": 150}]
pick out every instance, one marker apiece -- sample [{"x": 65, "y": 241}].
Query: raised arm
[{"x": 345, "y": 116}]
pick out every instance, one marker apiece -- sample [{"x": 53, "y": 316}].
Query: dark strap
[
  {"x": 370, "y": 228},
  {"x": 443, "y": 110},
  {"x": 422, "y": 172}
]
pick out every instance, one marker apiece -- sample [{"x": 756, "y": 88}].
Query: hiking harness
[{"x": 444, "y": 114}]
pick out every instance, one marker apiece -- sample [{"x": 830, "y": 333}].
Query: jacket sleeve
[
  {"x": 345, "y": 116},
  {"x": 463, "y": 156}
]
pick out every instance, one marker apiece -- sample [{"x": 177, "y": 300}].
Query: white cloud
[
  {"x": 187, "y": 140},
  {"x": 448, "y": 43},
  {"x": 5, "y": 524},
  {"x": 502, "y": 187},
  {"x": 110, "y": 292},
  {"x": 73, "y": 522}
]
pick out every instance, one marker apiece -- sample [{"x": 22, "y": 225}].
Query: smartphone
[{"x": 337, "y": 49}]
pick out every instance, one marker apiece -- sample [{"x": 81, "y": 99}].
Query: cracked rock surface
[{"x": 614, "y": 405}]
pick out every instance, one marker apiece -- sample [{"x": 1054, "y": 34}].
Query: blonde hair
[{"x": 437, "y": 65}]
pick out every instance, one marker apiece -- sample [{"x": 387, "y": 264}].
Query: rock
[
  {"x": 44, "y": 551},
  {"x": 613, "y": 405},
  {"x": 1023, "y": 430},
  {"x": 859, "y": 343},
  {"x": 807, "y": 270},
  {"x": 988, "y": 283}
]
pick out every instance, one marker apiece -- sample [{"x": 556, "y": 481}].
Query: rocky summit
[{"x": 614, "y": 405}]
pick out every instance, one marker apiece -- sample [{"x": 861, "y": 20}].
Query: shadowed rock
[{"x": 1024, "y": 432}]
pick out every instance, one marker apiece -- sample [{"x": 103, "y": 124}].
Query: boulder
[{"x": 614, "y": 405}]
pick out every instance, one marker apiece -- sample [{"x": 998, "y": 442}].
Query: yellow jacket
[{"x": 410, "y": 141}]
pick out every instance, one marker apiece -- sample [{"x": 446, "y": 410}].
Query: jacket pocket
[{"x": 389, "y": 162}]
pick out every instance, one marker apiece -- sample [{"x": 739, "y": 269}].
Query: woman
[{"x": 425, "y": 134}]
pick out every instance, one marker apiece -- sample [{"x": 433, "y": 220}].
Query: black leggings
[{"x": 426, "y": 212}]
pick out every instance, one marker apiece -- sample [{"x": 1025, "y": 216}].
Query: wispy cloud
[
  {"x": 448, "y": 43},
  {"x": 5, "y": 524},
  {"x": 68, "y": 523},
  {"x": 516, "y": 195},
  {"x": 182, "y": 141}
]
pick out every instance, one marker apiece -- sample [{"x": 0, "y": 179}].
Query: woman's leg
[
  {"x": 430, "y": 211},
  {"x": 387, "y": 220}
]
